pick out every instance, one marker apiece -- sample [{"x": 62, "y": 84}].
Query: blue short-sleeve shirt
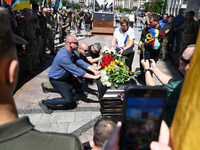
[{"x": 65, "y": 63}]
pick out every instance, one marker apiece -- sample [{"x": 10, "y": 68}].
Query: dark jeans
[
  {"x": 131, "y": 24},
  {"x": 67, "y": 89},
  {"x": 177, "y": 37},
  {"x": 129, "y": 61}
]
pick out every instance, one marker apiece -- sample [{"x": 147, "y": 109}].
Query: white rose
[
  {"x": 108, "y": 84},
  {"x": 106, "y": 78}
]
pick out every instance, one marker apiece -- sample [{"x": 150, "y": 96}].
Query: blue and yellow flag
[
  {"x": 126, "y": 41},
  {"x": 185, "y": 129},
  {"x": 21, "y": 4},
  {"x": 47, "y": 3},
  {"x": 60, "y": 5}
]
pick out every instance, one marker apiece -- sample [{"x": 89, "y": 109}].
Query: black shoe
[
  {"x": 45, "y": 108},
  {"x": 71, "y": 105},
  {"x": 44, "y": 89}
]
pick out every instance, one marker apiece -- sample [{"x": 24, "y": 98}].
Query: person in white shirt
[
  {"x": 124, "y": 38},
  {"x": 131, "y": 19}
]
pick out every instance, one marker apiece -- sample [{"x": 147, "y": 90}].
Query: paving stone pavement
[{"x": 80, "y": 120}]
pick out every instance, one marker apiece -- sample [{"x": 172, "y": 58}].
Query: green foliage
[
  {"x": 156, "y": 6},
  {"x": 124, "y": 10}
]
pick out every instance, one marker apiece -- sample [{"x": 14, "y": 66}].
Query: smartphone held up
[{"x": 141, "y": 117}]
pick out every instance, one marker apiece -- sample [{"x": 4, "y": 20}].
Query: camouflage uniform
[
  {"x": 49, "y": 31},
  {"x": 29, "y": 35},
  {"x": 67, "y": 29},
  {"x": 35, "y": 21},
  {"x": 189, "y": 34},
  {"x": 60, "y": 23},
  {"x": 54, "y": 17},
  {"x": 43, "y": 27},
  {"x": 167, "y": 37}
]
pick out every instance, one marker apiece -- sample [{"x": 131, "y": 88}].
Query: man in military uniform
[
  {"x": 168, "y": 34},
  {"x": 29, "y": 35},
  {"x": 190, "y": 32},
  {"x": 19, "y": 133},
  {"x": 60, "y": 24},
  {"x": 49, "y": 31},
  {"x": 43, "y": 27},
  {"x": 35, "y": 22}
]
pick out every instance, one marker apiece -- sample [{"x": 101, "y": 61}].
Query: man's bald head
[
  {"x": 84, "y": 45},
  {"x": 83, "y": 48},
  {"x": 71, "y": 43},
  {"x": 45, "y": 10},
  {"x": 189, "y": 51},
  {"x": 70, "y": 38}
]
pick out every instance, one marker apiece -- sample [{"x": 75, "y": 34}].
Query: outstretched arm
[
  {"x": 114, "y": 40},
  {"x": 91, "y": 60},
  {"x": 162, "y": 77}
]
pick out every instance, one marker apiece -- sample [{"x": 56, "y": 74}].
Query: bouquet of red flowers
[{"x": 106, "y": 60}]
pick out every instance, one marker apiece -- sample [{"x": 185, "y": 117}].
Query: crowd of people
[{"x": 39, "y": 26}]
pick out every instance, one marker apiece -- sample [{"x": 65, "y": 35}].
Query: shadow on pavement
[{"x": 24, "y": 76}]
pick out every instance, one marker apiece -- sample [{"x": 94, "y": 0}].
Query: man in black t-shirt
[
  {"x": 87, "y": 17},
  {"x": 93, "y": 53}
]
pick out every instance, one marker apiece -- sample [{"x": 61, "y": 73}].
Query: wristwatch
[{"x": 145, "y": 70}]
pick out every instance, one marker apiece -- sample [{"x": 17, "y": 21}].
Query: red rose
[
  {"x": 113, "y": 58},
  {"x": 161, "y": 34},
  {"x": 152, "y": 42},
  {"x": 103, "y": 53}
]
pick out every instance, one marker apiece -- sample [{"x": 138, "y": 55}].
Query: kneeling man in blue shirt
[{"x": 62, "y": 75}]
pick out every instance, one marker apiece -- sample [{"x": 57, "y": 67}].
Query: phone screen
[
  {"x": 146, "y": 56},
  {"x": 142, "y": 118}
]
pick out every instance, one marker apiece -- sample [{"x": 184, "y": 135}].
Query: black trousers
[{"x": 129, "y": 61}]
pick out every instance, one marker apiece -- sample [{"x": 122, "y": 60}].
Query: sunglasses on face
[
  {"x": 74, "y": 43},
  {"x": 184, "y": 60},
  {"x": 85, "y": 50}
]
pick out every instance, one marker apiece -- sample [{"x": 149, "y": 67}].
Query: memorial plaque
[{"x": 103, "y": 17}]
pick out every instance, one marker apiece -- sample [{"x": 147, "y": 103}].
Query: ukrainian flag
[
  {"x": 60, "y": 5},
  {"x": 47, "y": 3},
  {"x": 126, "y": 41},
  {"x": 21, "y": 4},
  {"x": 185, "y": 133}
]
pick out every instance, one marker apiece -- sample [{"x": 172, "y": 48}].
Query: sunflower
[{"x": 149, "y": 36}]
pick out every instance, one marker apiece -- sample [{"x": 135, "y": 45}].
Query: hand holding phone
[
  {"x": 146, "y": 56},
  {"x": 142, "y": 114}
]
